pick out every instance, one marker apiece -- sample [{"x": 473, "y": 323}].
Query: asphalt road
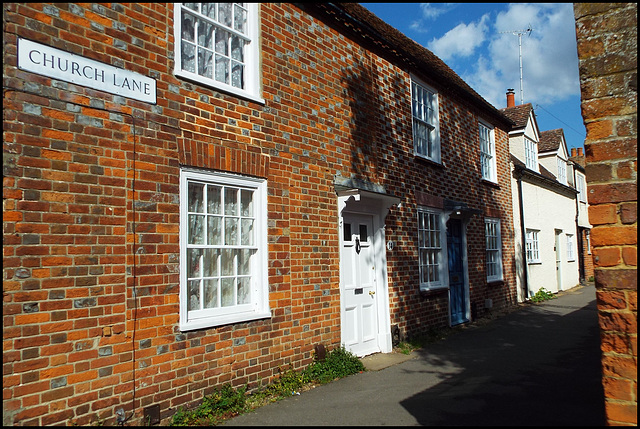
[{"x": 536, "y": 366}]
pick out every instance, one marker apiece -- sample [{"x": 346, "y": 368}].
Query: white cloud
[
  {"x": 430, "y": 11},
  {"x": 460, "y": 41},
  {"x": 549, "y": 54}
]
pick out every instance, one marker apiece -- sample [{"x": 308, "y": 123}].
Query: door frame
[
  {"x": 360, "y": 202},
  {"x": 557, "y": 247},
  {"x": 464, "y": 217}
]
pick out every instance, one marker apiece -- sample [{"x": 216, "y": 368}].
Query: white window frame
[
  {"x": 425, "y": 118},
  {"x": 432, "y": 240},
  {"x": 533, "y": 246},
  {"x": 487, "y": 152},
  {"x": 493, "y": 242},
  {"x": 531, "y": 154},
  {"x": 258, "y": 302},
  {"x": 571, "y": 256},
  {"x": 581, "y": 187},
  {"x": 562, "y": 170},
  {"x": 251, "y": 54}
]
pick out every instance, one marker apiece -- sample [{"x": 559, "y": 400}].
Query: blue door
[{"x": 457, "y": 292}]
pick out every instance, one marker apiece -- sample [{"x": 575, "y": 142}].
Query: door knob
[{"x": 372, "y": 293}]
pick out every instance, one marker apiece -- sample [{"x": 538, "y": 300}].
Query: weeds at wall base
[{"x": 228, "y": 402}]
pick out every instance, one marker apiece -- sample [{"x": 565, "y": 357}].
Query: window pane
[
  {"x": 246, "y": 202},
  {"x": 222, "y": 69},
  {"x": 195, "y": 201},
  {"x": 211, "y": 293},
  {"x": 210, "y": 268},
  {"x": 231, "y": 201},
  {"x": 205, "y": 63},
  {"x": 224, "y": 14},
  {"x": 188, "y": 27},
  {"x": 214, "y": 230},
  {"x": 193, "y": 262},
  {"x": 231, "y": 231},
  {"x": 244, "y": 289},
  {"x": 240, "y": 19},
  {"x": 237, "y": 75},
  {"x": 244, "y": 261},
  {"x": 228, "y": 262},
  {"x": 188, "y": 57},
  {"x": 247, "y": 232},
  {"x": 237, "y": 49},
  {"x": 227, "y": 292},
  {"x": 196, "y": 229},
  {"x": 214, "y": 194},
  {"x": 209, "y": 9},
  {"x": 222, "y": 40},
  {"x": 194, "y": 295},
  {"x": 205, "y": 34}
]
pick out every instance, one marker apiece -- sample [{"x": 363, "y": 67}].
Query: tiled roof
[
  {"x": 387, "y": 41},
  {"x": 550, "y": 140},
  {"x": 518, "y": 114}
]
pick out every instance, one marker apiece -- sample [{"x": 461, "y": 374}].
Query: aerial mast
[{"x": 519, "y": 33}]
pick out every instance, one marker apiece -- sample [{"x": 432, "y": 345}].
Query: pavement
[{"x": 538, "y": 365}]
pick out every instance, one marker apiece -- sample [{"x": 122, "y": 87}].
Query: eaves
[{"x": 533, "y": 177}]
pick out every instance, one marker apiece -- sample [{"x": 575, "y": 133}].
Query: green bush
[
  {"x": 542, "y": 295},
  {"x": 338, "y": 363},
  {"x": 223, "y": 403}
]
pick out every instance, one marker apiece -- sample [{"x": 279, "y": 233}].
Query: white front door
[
  {"x": 359, "y": 285},
  {"x": 558, "y": 260}
]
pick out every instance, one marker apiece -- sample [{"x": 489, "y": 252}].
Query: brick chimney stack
[{"x": 511, "y": 98}]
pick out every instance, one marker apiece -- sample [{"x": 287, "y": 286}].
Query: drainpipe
[
  {"x": 523, "y": 231},
  {"x": 581, "y": 270}
]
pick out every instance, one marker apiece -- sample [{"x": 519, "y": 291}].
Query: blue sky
[{"x": 477, "y": 41}]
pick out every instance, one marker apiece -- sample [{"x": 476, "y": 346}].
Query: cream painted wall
[{"x": 547, "y": 211}]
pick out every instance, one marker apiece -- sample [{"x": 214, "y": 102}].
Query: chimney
[
  {"x": 573, "y": 152},
  {"x": 511, "y": 98},
  {"x": 579, "y": 151}
]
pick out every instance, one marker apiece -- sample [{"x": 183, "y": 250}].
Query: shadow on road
[{"x": 537, "y": 368}]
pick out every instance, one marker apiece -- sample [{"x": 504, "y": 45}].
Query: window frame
[
  {"x": 581, "y": 187},
  {"x": 252, "y": 62},
  {"x": 442, "y": 281},
  {"x": 258, "y": 306},
  {"x": 531, "y": 154},
  {"x": 432, "y": 122},
  {"x": 497, "y": 251},
  {"x": 533, "y": 246},
  {"x": 571, "y": 257},
  {"x": 489, "y": 154},
  {"x": 562, "y": 170}
]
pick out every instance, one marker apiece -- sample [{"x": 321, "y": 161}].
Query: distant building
[{"x": 544, "y": 205}]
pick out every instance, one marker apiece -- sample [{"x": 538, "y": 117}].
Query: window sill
[
  {"x": 428, "y": 161},
  {"x": 490, "y": 183},
  {"x": 215, "y": 322},
  {"x": 247, "y": 95},
  {"x": 493, "y": 283},
  {"x": 425, "y": 293},
  {"x": 534, "y": 263}
]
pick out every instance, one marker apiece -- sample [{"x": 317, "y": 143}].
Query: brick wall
[
  {"x": 91, "y": 208},
  {"x": 607, "y": 51}
]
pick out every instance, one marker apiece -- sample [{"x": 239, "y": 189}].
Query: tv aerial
[{"x": 519, "y": 33}]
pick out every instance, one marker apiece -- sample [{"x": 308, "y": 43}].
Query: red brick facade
[
  {"x": 91, "y": 206},
  {"x": 607, "y": 51}
]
